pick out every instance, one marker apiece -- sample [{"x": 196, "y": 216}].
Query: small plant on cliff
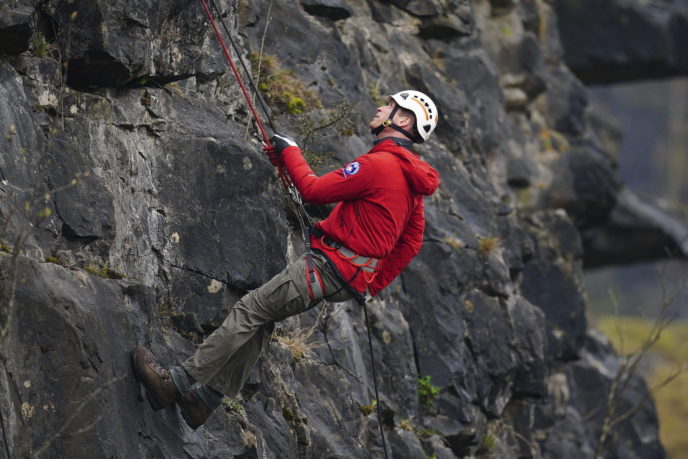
[
  {"x": 426, "y": 391},
  {"x": 53, "y": 260},
  {"x": 454, "y": 242},
  {"x": 367, "y": 409},
  {"x": 297, "y": 341},
  {"x": 487, "y": 445},
  {"x": 487, "y": 245},
  {"x": 42, "y": 47},
  {"x": 105, "y": 271},
  {"x": 406, "y": 425},
  {"x": 281, "y": 88},
  {"x": 232, "y": 405}
]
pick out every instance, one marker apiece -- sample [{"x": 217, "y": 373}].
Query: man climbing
[{"x": 370, "y": 236}]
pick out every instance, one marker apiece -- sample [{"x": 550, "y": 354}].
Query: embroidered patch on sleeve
[{"x": 351, "y": 169}]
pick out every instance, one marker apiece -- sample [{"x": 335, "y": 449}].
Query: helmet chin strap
[{"x": 389, "y": 123}]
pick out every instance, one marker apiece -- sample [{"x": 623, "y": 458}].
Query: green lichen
[
  {"x": 281, "y": 88},
  {"x": 295, "y": 104},
  {"x": 232, "y": 405},
  {"x": 487, "y": 445},
  {"x": 367, "y": 409},
  {"x": 105, "y": 272}
]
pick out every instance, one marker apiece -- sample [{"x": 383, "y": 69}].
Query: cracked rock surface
[{"x": 118, "y": 117}]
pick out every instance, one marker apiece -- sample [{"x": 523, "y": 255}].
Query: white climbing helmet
[{"x": 422, "y": 107}]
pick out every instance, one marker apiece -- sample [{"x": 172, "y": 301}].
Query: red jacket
[{"x": 380, "y": 211}]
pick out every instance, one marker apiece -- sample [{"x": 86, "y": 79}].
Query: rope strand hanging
[{"x": 284, "y": 178}]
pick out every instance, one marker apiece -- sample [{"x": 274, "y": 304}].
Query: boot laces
[{"x": 153, "y": 365}]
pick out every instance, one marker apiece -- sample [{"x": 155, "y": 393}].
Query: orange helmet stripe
[{"x": 427, "y": 115}]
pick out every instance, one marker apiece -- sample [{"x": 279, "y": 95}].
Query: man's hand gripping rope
[{"x": 278, "y": 142}]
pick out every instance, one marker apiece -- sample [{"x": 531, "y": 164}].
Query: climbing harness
[{"x": 364, "y": 264}]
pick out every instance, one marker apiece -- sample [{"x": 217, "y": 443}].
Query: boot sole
[{"x": 153, "y": 403}]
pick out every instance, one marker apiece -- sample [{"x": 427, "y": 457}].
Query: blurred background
[{"x": 650, "y": 119}]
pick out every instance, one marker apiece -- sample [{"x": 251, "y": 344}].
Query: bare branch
[
  {"x": 630, "y": 365},
  {"x": 77, "y": 412},
  {"x": 630, "y": 412}
]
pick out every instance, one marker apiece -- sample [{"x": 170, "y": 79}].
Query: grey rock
[
  {"x": 457, "y": 436},
  {"x": 567, "y": 101},
  {"x": 623, "y": 40},
  {"x": 161, "y": 41},
  {"x": 585, "y": 373},
  {"x": 86, "y": 210},
  {"x": 635, "y": 231},
  {"x": 332, "y": 9},
  {"x": 180, "y": 200},
  {"x": 436, "y": 446},
  {"x": 421, "y": 8},
  {"x": 531, "y": 348},
  {"x": 16, "y": 24},
  {"x": 455, "y": 21},
  {"x": 405, "y": 444},
  {"x": 560, "y": 270}
]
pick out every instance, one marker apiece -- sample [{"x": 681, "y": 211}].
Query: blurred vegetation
[{"x": 671, "y": 351}]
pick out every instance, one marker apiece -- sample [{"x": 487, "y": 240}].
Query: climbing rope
[
  {"x": 284, "y": 177},
  {"x": 377, "y": 394},
  {"x": 243, "y": 66}
]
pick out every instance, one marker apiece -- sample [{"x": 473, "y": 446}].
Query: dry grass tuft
[
  {"x": 488, "y": 245},
  {"x": 298, "y": 341}
]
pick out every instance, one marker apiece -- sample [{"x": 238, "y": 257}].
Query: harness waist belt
[{"x": 368, "y": 264}]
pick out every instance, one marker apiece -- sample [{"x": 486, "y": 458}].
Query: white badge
[{"x": 351, "y": 169}]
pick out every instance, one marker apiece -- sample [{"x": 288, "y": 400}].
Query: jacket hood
[{"x": 421, "y": 176}]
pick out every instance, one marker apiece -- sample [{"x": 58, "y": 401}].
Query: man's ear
[{"x": 404, "y": 121}]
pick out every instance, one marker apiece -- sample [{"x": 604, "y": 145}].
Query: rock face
[
  {"x": 143, "y": 208},
  {"x": 602, "y": 45}
]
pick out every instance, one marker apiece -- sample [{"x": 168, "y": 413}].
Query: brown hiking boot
[
  {"x": 160, "y": 388},
  {"x": 194, "y": 410}
]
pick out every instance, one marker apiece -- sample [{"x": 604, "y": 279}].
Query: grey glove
[{"x": 280, "y": 141}]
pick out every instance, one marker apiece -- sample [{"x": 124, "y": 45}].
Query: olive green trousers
[{"x": 225, "y": 358}]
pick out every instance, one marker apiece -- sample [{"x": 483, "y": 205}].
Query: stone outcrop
[
  {"x": 622, "y": 40},
  {"x": 162, "y": 211},
  {"x": 651, "y": 232}
]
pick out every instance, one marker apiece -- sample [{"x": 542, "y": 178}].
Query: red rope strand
[{"x": 236, "y": 74}]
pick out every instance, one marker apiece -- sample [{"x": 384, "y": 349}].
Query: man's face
[{"x": 382, "y": 114}]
